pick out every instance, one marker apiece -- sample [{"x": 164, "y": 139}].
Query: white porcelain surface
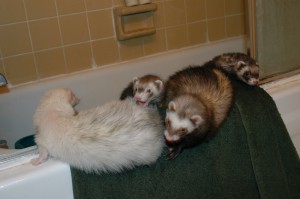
[
  {"x": 286, "y": 94},
  {"x": 51, "y": 180}
]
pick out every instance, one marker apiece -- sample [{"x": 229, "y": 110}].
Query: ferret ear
[
  {"x": 196, "y": 120},
  {"x": 172, "y": 106},
  {"x": 135, "y": 79},
  {"x": 69, "y": 92},
  {"x": 72, "y": 98},
  {"x": 159, "y": 84},
  {"x": 240, "y": 64}
]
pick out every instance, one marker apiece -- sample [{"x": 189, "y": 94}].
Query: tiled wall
[{"x": 44, "y": 38}]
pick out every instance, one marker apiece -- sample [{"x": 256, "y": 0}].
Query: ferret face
[
  {"x": 145, "y": 92},
  {"x": 178, "y": 127},
  {"x": 62, "y": 96},
  {"x": 248, "y": 72}
]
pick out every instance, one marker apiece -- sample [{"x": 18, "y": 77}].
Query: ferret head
[
  {"x": 248, "y": 71},
  {"x": 61, "y": 96},
  {"x": 55, "y": 100},
  {"x": 181, "y": 121},
  {"x": 147, "y": 89}
]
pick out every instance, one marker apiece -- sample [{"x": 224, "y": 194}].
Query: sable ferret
[
  {"x": 200, "y": 99},
  {"x": 118, "y": 135},
  {"x": 240, "y": 66},
  {"x": 146, "y": 90}
]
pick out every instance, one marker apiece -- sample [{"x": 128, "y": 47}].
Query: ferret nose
[{"x": 138, "y": 98}]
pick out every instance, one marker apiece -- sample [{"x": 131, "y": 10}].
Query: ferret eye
[
  {"x": 148, "y": 91},
  {"x": 167, "y": 123},
  {"x": 247, "y": 73}
]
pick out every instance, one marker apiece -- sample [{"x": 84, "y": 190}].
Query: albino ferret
[
  {"x": 200, "y": 99},
  {"x": 146, "y": 90},
  {"x": 110, "y": 138}
]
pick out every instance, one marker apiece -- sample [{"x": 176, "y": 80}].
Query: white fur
[
  {"x": 253, "y": 81},
  {"x": 177, "y": 123},
  {"x": 118, "y": 135},
  {"x": 171, "y": 137}
]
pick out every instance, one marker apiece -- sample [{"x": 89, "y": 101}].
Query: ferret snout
[
  {"x": 171, "y": 138},
  {"x": 253, "y": 81}
]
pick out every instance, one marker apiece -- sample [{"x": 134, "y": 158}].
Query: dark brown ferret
[
  {"x": 199, "y": 100},
  {"x": 240, "y": 66}
]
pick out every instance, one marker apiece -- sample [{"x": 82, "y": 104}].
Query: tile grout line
[
  {"x": 31, "y": 42},
  {"x": 61, "y": 38}
]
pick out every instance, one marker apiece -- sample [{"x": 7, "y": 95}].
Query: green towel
[{"x": 251, "y": 156}]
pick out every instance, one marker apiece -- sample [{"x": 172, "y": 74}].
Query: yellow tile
[
  {"x": 235, "y": 25},
  {"x": 195, "y": 10},
  {"x": 174, "y": 12},
  {"x": 101, "y": 24},
  {"x": 131, "y": 49},
  {"x": 96, "y": 4},
  {"x": 50, "y": 63},
  {"x": 177, "y": 37},
  {"x": 216, "y": 29},
  {"x": 45, "y": 34},
  {"x": 155, "y": 43},
  {"x": 14, "y": 39},
  {"x": 70, "y": 6},
  {"x": 215, "y": 8},
  {"x": 20, "y": 69},
  {"x": 197, "y": 33},
  {"x": 234, "y": 7},
  {"x": 74, "y": 28},
  {"x": 105, "y": 51},
  {"x": 159, "y": 16},
  {"x": 11, "y": 11},
  {"x": 39, "y": 9},
  {"x": 78, "y": 57},
  {"x": 1, "y": 68},
  {"x": 118, "y": 2}
]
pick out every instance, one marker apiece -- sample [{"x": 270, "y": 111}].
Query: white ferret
[
  {"x": 146, "y": 90},
  {"x": 110, "y": 138}
]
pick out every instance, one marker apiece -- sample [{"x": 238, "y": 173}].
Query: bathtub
[{"x": 96, "y": 87}]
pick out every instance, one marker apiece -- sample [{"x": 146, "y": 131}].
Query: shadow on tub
[{"x": 25, "y": 142}]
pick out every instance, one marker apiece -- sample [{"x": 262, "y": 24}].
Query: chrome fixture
[{"x": 3, "y": 80}]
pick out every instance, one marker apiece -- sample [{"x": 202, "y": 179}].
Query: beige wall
[{"x": 44, "y": 38}]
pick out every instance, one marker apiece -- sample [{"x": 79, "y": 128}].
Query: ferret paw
[
  {"x": 38, "y": 160},
  {"x": 173, "y": 153}
]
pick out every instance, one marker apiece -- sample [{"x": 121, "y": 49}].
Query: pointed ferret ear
[
  {"x": 240, "y": 64},
  {"x": 159, "y": 84},
  {"x": 73, "y": 99},
  {"x": 135, "y": 79},
  {"x": 172, "y": 106},
  {"x": 196, "y": 120}
]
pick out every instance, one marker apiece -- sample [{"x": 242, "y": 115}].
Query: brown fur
[
  {"x": 240, "y": 66},
  {"x": 202, "y": 91}
]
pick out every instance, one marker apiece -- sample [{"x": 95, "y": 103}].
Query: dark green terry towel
[{"x": 251, "y": 156}]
